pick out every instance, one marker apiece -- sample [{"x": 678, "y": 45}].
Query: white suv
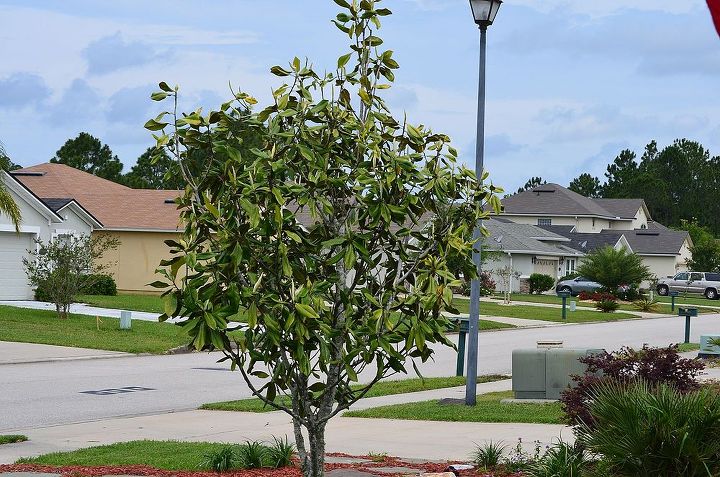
[{"x": 702, "y": 283}]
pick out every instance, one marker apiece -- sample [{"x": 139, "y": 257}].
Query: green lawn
[
  {"x": 686, "y": 347},
  {"x": 12, "y": 438},
  {"x": 689, "y": 300},
  {"x": 383, "y": 388},
  {"x": 169, "y": 455},
  {"x": 663, "y": 302},
  {"x": 488, "y": 409},
  {"x": 148, "y": 303},
  {"x": 530, "y": 312},
  {"x": 80, "y": 331}
]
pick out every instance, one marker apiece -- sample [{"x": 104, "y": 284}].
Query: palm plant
[
  {"x": 7, "y": 204},
  {"x": 642, "y": 430},
  {"x": 612, "y": 268}
]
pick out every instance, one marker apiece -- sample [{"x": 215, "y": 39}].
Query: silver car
[
  {"x": 701, "y": 283},
  {"x": 577, "y": 285}
]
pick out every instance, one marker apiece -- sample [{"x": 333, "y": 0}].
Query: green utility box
[{"x": 545, "y": 373}]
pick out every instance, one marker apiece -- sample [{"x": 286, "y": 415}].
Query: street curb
[{"x": 75, "y": 358}]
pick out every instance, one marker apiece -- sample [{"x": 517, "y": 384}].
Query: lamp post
[{"x": 484, "y": 12}]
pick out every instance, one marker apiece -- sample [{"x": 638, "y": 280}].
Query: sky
[{"x": 570, "y": 82}]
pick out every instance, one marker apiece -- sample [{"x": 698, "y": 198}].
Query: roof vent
[
  {"x": 169, "y": 201},
  {"x": 27, "y": 173},
  {"x": 647, "y": 232}
]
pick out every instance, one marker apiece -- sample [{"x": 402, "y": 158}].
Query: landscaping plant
[
  {"x": 560, "y": 460},
  {"x": 540, "y": 283},
  {"x": 653, "y": 365},
  {"x": 647, "y": 305},
  {"x": 252, "y": 455},
  {"x": 489, "y": 455},
  {"x": 612, "y": 268},
  {"x": 607, "y": 305},
  {"x": 68, "y": 266},
  {"x": 646, "y": 430},
  {"x": 220, "y": 460},
  {"x": 317, "y": 240},
  {"x": 280, "y": 453}
]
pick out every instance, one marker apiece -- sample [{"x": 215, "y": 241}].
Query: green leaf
[
  {"x": 342, "y": 3},
  {"x": 343, "y": 60},
  {"x": 153, "y": 125},
  {"x": 307, "y": 311},
  {"x": 158, "y": 284},
  {"x": 350, "y": 258},
  {"x": 170, "y": 304},
  {"x": 164, "y": 86},
  {"x": 279, "y": 71},
  {"x": 159, "y": 96}
]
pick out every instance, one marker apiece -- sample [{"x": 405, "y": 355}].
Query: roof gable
[
  {"x": 116, "y": 206},
  {"x": 553, "y": 200},
  {"x": 625, "y": 208}
]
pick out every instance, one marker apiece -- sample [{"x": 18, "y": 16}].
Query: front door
[{"x": 546, "y": 267}]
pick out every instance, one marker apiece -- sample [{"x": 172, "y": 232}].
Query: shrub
[
  {"x": 629, "y": 292},
  {"x": 280, "y": 453},
  {"x": 654, "y": 365},
  {"x": 252, "y": 455},
  {"x": 540, "y": 283},
  {"x": 607, "y": 306},
  {"x": 560, "y": 460},
  {"x": 597, "y": 296},
  {"x": 646, "y": 430},
  {"x": 101, "y": 285},
  {"x": 487, "y": 285},
  {"x": 612, "y": 268},
  {"x": 489, "y": 455},
  {"x": 646, "y": 305},
  {"x": 220, "y": 460}
]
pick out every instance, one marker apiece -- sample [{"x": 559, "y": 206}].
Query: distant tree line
[{"x": 680, "y": 183}]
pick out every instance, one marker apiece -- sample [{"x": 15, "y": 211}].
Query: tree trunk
[{"x": 316, "y": 458}]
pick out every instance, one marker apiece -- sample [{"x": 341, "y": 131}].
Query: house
[
  {"x": 593, "y": 223},
  {"x": 42, "y": 219},
  {"x": 526, "y": 249},
  {"x": 140, "y": 219}
]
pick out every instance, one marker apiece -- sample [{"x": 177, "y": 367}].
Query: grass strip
[
  {"x": 489, "y": 408},
  {"x": 12, "y": 438},
  {"x": 383, "y": 388},
  {"x": 44, "y": 327},
  {"x": 542, "y": 313},
  {"x": 146, "y": 303},
  {"x": 168, "y": 455}
]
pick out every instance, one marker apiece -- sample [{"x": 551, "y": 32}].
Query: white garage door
[{"x": 13, "y": 281}]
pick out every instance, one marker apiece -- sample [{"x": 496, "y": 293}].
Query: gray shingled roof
[
  {"x": 56, "y": 204},
  {"x": 625, "y": 208},
  {"x": 510, "y": 236},
  {"x": 552, "y": 199},
  {"x": 656, "y": 241}
]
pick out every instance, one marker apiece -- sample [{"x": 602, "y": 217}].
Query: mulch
[{"x": 294, "y": 471}]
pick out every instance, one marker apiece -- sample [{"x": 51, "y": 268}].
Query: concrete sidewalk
[
  {"x": 82, "y": 309},
  {"x": 21, "y": 353},
  {"x": 409, "y": 439}
]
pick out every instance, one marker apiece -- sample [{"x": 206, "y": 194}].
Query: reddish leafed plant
[{"x": 653, "y": 365}]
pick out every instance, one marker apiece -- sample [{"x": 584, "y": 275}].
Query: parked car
[
  {"x": 577, "y": 285},
  {"x": 701, "y": 283}
]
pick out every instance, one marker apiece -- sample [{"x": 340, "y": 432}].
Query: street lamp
[{"x": 484, "y": 12}]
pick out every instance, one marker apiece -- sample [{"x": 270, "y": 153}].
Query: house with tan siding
[{"x": 141, "y": 219}]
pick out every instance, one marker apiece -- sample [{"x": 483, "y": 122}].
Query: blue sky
[{"x": 570, "y": 82}]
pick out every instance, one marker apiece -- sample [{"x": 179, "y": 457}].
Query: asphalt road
[{"x": 45, "y": 394}]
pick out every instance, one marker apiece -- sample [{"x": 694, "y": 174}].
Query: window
[
  {"x": 696, "y": 277},
  {"x": 681, "y": 276},
  {"x": 712, "y": 277},
  {"x": 569, "y": 266},
  {"x": 544, "y": 222}
]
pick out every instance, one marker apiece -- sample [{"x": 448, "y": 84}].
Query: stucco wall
[
  {"x": 134, "y": 262},
  {"x": 661, "y": 266}
]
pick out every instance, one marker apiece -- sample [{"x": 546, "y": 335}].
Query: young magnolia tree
[{"x": 313, "y": 257}]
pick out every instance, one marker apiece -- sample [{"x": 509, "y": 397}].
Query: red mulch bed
[{"x": 97, "y": 471}]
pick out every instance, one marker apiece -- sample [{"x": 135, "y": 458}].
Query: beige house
[
  {"x": 593, "y": 223},
  {"x": 141, "y": 219}
]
